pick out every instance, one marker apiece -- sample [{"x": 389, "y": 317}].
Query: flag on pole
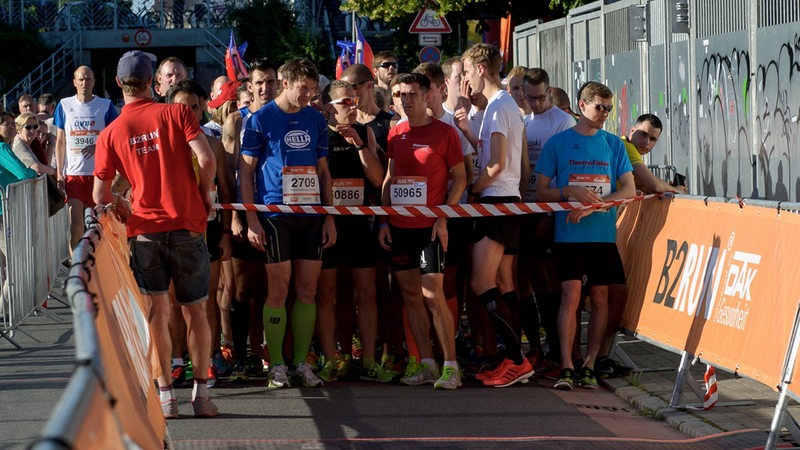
[
  {"x": 363, "y": 50},
  {"x": 234, "y": 66},
  {"x": 345, "y": 59}
]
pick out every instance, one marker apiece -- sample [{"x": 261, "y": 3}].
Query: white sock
[
  {"x": 199, "y": 390},
  {"x": 431, "y": 363},
  {"x": 165, "y": 395},
  {"x": 452, "y": 364},
  {"x": 177, "y": 362}
]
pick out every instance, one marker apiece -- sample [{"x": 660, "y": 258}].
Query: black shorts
[
  {"x": 502, "y": 229},
  {"x": 356, "y": 244},
  {"x": 529, "y": 245},
  {"x": 412, "y": 249},
  {"x": 599, "y": 262},
  {"x": 213, "y": 237},
  {"x": 458, "y": 236},
  {"x": 293, "y": 237},
  {"x": 241, "y": 249}
]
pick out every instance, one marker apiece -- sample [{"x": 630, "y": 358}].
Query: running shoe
[
  {"x": 170, "y": 408},
  {"x": 565, "y": 380},
  {"x": 277, "y": 377},
  {"x": 412, "y": 367},
  {"x": 226, "y": 350},
  {"x": 586, "y": 378},
  {"x": 389, "y": 365},
  {"x": 222, "y": 366},
  {"x": 343, "y": 365},
  {"x": 255, "y": 366},
  {"x": 239, "y": 374},
  {"x": 356, "y": 348},
  {"x": 328, "y": 372},
  {"x": 608, "y": 368},
  {"x": 423, "y": 375},
  {"x": 179, "y": 377},
  {"x": 306, "y": 376},
  {"x": 204, "y": 407},
  {"x": 450, "y": 379},
  {"x": 189, "y": 372},
  {"x": 491, "y": 373},
  {"x": 512, "y": 373},
  {"x": 374, "y": 372},
  {"x": 211, "y": 379}
]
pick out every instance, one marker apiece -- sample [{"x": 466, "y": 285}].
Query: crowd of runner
[{"x": 306, "y": 300}]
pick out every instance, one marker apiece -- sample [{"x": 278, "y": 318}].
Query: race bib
[
  {"x": 409, "y": 191},
  {"x": 300, "y": 185},
  {"x": 79, "y": 139},
  {"x": 348, "y": 191},
  {"x": 599, "y": 184},
  {"x": 530, "y": 192}
]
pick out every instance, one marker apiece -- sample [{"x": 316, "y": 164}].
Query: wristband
[{"x": 361, "y": 147}]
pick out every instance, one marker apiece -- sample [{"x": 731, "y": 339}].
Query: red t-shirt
[
  {"x": 426, "y": 151},
  {"x": 148, "y": 145}
]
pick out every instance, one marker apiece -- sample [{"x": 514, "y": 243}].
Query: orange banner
[
  {"x": 713, "y": 279},
  {"x": 127, "y": 350}
]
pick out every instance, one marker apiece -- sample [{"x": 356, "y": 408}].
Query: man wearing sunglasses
[
  {"x": 587, "y": 164},
  {"x": 384, "y": 66},
  {"x": 369, "y": 113}
]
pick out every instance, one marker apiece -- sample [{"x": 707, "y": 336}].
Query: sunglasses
[
  {"x": 356, "y": 85},
  {"x": 31, "y": 127},
  {"x": 600, "y": 107},
  {"x": 387, "y": 64},
  {"x": 346, "y": 101}
]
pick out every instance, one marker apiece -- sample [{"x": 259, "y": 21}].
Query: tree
[
  {"x": 521, "y": 10},
  {"x": 271, "y": 31}
]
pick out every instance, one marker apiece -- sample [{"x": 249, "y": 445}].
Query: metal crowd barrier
[{"x": 35, "y": 244}]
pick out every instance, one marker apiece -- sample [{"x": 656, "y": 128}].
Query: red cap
[{"x": 226, "y": 92}]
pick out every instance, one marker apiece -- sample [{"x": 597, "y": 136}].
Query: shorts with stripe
[
  {"x": 412, "y": 248},
  {"x": 291, "y": 237}
]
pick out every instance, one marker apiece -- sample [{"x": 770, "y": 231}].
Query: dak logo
[{"x": 297, "y": 139}]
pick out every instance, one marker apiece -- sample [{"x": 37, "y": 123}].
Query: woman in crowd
[{"x": 27, "y": 132}]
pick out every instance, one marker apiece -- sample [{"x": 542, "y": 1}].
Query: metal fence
[
  {"x": 721, "y": 74},
  {"x": 35, "y": 245}
]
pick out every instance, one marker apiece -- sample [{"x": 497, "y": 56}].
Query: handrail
[{"x": 45, "y": 75}]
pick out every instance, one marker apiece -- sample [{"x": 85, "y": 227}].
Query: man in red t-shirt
[
  {"x": 422, "y": 152},
  {"x": 151, "y": 146}
]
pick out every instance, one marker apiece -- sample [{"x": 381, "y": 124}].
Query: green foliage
[
  {"x": 28, "y": 52},
  {"x": 271, "y": 31},
  {"x": 393, "y": 9},
  {"x": 566, "y": 5},
  {"x": 521, "y": 10}
]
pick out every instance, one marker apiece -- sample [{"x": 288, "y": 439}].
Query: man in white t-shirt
[
  {"x": 79, "y": 120},
  {"x": 499, "y": 155},
  {"x": 536, "y": 278}
]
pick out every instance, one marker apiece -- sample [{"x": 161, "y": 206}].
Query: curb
[{"x": 652, "y": 406}]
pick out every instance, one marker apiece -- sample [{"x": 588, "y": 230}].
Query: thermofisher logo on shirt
[{"x": 297, "y": 139}]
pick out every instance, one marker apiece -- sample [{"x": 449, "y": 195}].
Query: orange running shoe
[{"x": 512, "y": 373}]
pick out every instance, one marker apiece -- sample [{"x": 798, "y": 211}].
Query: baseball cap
[
  {"x": 225, "y": 93},
  {"x": 136, "y": 64}
]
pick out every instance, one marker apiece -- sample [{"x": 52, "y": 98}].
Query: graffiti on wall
[
  {"x": 777, "y": 83},
  {"x": 723, "y": 128}
]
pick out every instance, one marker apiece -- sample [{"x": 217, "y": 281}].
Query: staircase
[{"x": 50, "y": 74}]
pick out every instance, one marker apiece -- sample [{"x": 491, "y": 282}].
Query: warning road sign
[{"x": 427, "y": 22}]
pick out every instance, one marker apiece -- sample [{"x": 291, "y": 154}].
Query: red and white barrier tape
[{"x": 460, "y": 210}]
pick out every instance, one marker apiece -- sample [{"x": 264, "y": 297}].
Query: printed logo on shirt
[
  {"x": 297, "y": 139},
  {"x": 83, "y": 123}
]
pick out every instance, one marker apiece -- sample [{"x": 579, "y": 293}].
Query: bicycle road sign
[{"x": 427, "y": 22}]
